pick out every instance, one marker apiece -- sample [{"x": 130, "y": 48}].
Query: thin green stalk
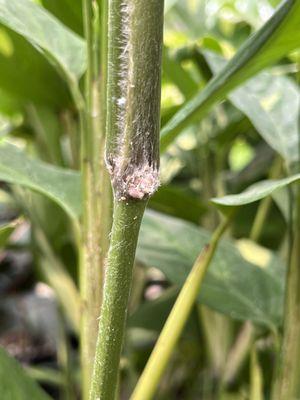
[
  {"x": 260, "y": 218},
  {"x": 238, "y": 353},
  {"x": 132, "y": 157},
  {"x": 127, "y": 220},
  {"x": 63, "y": 360},
  {"x": 256, "y": 377},
  {"x": 90, "y": 273},
  {"x": 46, "y": 375},
  {"x": 287, "y": 383},
  {"x": 171, "y": 332},
  {"x": 265, "y": 204},
  {"x": 96, "y": 222}
]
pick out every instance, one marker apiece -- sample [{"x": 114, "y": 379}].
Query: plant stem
[
  {"x": 132, "y": 156},
  {"x": 170, "y": 334},
  {"x": 126, "y": 224},
  {"x": 238, "y": 353},
  {"x": 256, "y": 377},
  {"x": 287, "y": 384},
  {"x": 96, "y": 221}
]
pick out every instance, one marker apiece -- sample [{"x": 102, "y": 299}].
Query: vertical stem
[
  {"x": 132, "y": 156},
  {"x": 169, "y": 336},
  {"x": 126, "y": 224},
  {"x": 238, "y": 353},
  {"x": 287, "y": 384},
  {"x": 256, "y": 377},
  {"x": 96, "y": 221}
]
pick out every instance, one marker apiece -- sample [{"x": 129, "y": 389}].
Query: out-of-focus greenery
[{"x": 248, "y": 132}]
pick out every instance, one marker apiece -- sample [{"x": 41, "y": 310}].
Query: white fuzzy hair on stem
[{"x": 131, "y": 161}]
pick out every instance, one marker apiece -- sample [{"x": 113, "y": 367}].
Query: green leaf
[
  {"x": 278, "y": 37},
  {"x": 69, "y": 12},
  {"x": 59, "y": 184},
  {"x": 45, "y": 32},
  {"x": 25, "y": 75},
  {"x": 169, "y": 4},
  {"x": 6, "y": 230},
  {"x": 265, "y": 100},
  {"x": 177, "y": 74},
  {"x": 152, "y": 315},
  {"x": 15, "y": 384},
  {"x": 178, "y": 202},
  {"x": 233, "y": 285},
  {"x": 255, "y": 192}
]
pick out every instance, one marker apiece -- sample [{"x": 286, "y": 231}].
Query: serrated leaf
[
  {"x": 59, "y": 184},
  {"x": 232, "y": 286},
  {"x": 255, "y": 192},
  {"x": 46, "y": 33},
  {"x": 278, "y": 37},
  {"x": 15, "y": 384}
]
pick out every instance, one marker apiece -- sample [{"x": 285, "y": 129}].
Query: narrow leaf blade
[
  {"x": 60, "y": 185},
  {"x": 276, "y": 38},
  {"x": 255, "y": 192}
]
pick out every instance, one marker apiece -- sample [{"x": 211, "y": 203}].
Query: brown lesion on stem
[
  {"x": 133, "y": 181},
  {"x": 132, "y": 146}
]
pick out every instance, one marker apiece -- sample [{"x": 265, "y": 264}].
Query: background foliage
[{"x": 226, "y": 125}]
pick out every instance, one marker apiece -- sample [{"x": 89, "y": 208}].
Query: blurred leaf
[
  {"x": 26, "y": 75},
  {"x": 278, "y": 37},
  {"x": 178, "y": 75},
  {"x": 46, "y": 33},
  {"x": 15, "y": 384},
  {"x": 175, "y": 201},
  {"x": 255, "y": 192},
  {"x": 60, "y": 185},
  {"x": 46, "y": 375},
  {"x": 169, "y": 4},
  {"x": 64, "y": 287},
  {"x": 283, "y": 200},
  {"x": 232, "y": 286},
  {"x": 67, "y": 11},
  {"x": 272, "y": 105},
  {"x": 153, "y": 314},
  {"x": 6, "y": 230},
  {"x": 186, "y": 19}
]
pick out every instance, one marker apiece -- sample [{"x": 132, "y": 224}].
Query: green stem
[
  {"x": 126, "y": 225},
  {"x": 287, "y": 383},
  {"x": 238, "y": 353},
  {"x": 132, "y": 156},
  {"x": 265, "y": 204},
  {"x": 96, "y": 222},
  {"x": 256, "y": 377},
  {"x": 260, "y": 217},
  {"x": 171, "y": 332}
]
